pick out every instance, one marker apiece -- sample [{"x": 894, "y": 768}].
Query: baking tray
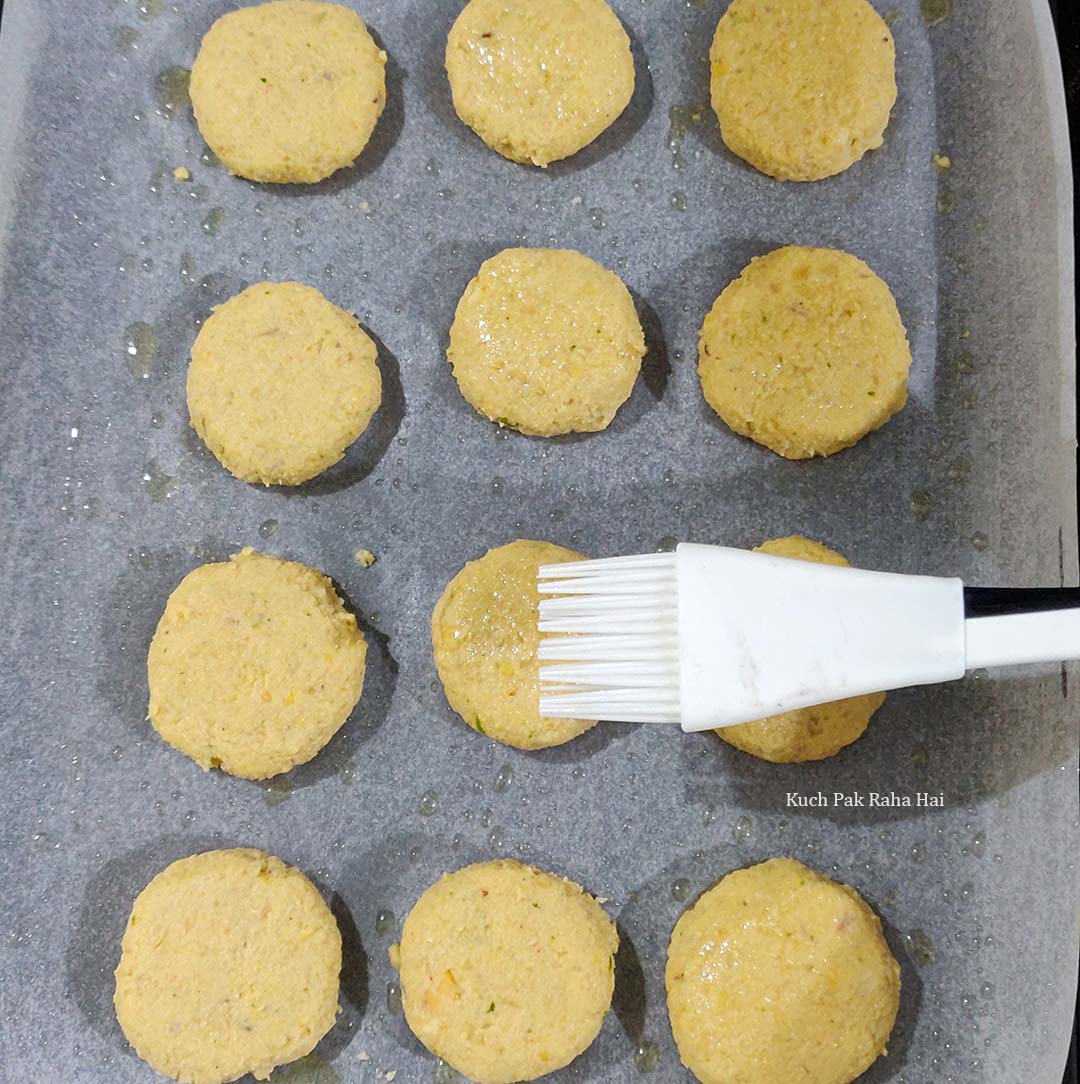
[{"x": 108, "y": 500}]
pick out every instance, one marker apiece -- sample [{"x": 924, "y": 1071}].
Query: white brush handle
[
  {"x": 1012, "y": 639},
  {"x": 759, "y": 635}
]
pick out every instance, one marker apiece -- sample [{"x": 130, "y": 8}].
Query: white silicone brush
[{"x": 709, "y": 636}]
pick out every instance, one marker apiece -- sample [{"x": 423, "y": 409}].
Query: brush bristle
[{"x": 610, "y": 637}]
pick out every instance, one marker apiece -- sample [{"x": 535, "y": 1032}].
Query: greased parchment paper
[{"x": 109, "y": 265}]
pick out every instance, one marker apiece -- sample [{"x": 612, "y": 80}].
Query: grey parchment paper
[{"x": 108, "y": 267}]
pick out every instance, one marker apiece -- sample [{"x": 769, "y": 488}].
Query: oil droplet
[
  {"x": 920, "y": 755},
  {"x": 172, "y": 91},
  {"x": 347, "y": 772},
  {"x": 187, "y": 269},
  {"x": 208, "y": 158},
  {"x": 978, "y": 845},
  {"x": 498, "y": 486},
  {"x": 445, "y": 1074},
  {"x": 157, "y": 483},
  {"x": 667, "y": 544},
  {"x": 678, "y": 201},
  {"x": 935, "y": 11},
  {"x": 384, "y": 923},
  {"x": 681, "y": 118},
  {"x": 213, "y": 221},
  {"x": 918, "y": 853},
  {"x": 278, "y": 790},
  {"x": 157, "y": 180},
  {"x": 393, "y": 999},
  {"x": 741, "y": 829},
  {"x": 429, "y": 802},
  {"x": 921, "y": 505},
  {"x": 504, "y": 778},
  {"x": 596, "y": 218},
  {"x": 497, "y": 837},
  {"x": 432, "y": 168},
  {"x": 946, "y": 200},
  {"x": 140, "y": 346},
  {"x": 267, "y": 528},
  {"x": 680, "y": 889},
  {"x": 921, "y": 947},
  {"x": 646, "y": 1057},
  {"x": 127, "y": 40},
  {"x": 150, "y": 9},
  {"x": 980, "y": 541},
  {"x": 708, "y": 815},
  {"x": 638, "y": 184},
  {"x": 414, "y": 855}
]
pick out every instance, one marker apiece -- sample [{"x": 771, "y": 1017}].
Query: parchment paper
[{"x": 108, "y": 500}]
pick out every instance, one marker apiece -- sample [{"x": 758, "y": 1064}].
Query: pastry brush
[{"x": 709, "y": 636}]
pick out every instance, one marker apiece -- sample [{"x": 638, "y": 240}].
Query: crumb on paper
[
  {"x": 182, "y": 173},
  {"x": 942, "y": 161},
  {"x": 965, "y": 334},
  {"x": 365, "y": 558},
  {"x": 364, "y": 207},
  {"x": 390, "y": 1075},
  {"x": 576, "y": 201},
  {"x": 363, "y": 1056}
]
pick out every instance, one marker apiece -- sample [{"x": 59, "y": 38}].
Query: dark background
[{"x": 1067, "y": 20}]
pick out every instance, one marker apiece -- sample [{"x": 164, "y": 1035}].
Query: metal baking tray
[{"x": 108, "y": 265}]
